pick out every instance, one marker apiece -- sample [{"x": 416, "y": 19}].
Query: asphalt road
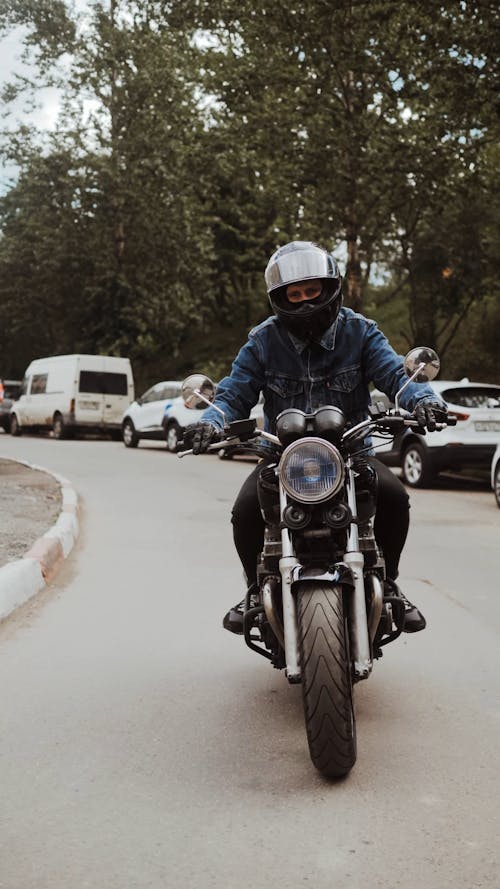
[{"x": 142, "y": 747}]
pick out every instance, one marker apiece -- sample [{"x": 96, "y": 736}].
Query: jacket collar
[{"x": 327, "y": 340}]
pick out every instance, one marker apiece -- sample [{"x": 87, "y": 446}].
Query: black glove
[
  {"x": 198, "y": 436},
  {"x": 428, "y": 413}
]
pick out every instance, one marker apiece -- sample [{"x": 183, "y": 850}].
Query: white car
[
  {"x": 175, "y": 419},
  {"x": 495, "y": 475},
  {"x": 144, "y": 417},
  {"x": 468, "y": 445},
  {"x": 178, "y": 416}
]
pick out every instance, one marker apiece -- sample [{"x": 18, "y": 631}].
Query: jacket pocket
[
  {"x": 284, "y": 387},
  {"x": 346, "y": 381}
]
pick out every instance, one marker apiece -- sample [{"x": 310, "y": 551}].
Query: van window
[
  {"x": 39, "y": 384},
  {"x": 103, "y": 383}
]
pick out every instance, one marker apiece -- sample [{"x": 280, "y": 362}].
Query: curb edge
[{"x": 23, "y": 578}]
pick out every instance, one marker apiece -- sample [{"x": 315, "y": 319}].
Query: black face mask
[{"x": 309, "y": 319}]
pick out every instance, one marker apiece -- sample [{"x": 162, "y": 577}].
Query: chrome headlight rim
[{"x": 336, "y": 458}]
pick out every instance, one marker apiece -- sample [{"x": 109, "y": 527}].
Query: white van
[{"x": 69, "y": 393}]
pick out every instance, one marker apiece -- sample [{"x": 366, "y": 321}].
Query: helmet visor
[{"x": 299, "y": 266}]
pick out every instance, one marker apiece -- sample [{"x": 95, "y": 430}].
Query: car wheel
[
  {"x": 416, "y": 466},
  {"x": 496, "y": 485},
  {"x": 58, "y": 427},
  {"x": 172, "y": 436},
  {"x": 129, "y": 435},
  {"x": 15, "y": 428}
]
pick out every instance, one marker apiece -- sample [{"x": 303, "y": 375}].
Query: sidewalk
[{"x": 38, "y": 527}]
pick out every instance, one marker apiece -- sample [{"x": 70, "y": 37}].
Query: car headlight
[{"x": 311, "y": 470}]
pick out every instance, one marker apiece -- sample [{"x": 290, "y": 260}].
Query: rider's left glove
[
  {"x": 428, "y": 413},
  {"x": 199, "y": 436}
]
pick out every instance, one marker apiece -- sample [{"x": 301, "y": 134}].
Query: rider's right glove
[
  {"x": 428, "y": 413},
  {"x": 199, "y": 436}
]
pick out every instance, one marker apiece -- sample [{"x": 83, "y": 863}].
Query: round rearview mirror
[
  {"x": 425, "y": 359},
  {"x": 193, "y": 387}
]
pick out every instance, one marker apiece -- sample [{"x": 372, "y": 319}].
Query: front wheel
[
  {"x": 172, "y": 436},
  {"x": 14, "y": 427},
  {"x": 58, "y": 427},
  {"x": 496, "y": 485},
  {"x": 326, "y": 678},
  {"x": 416, "y": 467},
  {"x": 129, "y": 435}
]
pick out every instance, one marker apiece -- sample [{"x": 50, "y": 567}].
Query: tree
[
  {"x": 349, "y": 106},
  {"x": 132, "y": 138}
]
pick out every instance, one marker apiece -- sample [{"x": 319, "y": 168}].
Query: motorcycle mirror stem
[{"x": 211, "y": 404}]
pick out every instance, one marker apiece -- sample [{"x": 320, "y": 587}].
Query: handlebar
[{"x": 389, "y": 422}]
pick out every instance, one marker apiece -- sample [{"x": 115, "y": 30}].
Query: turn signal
[{"x": 295, "y": 517}]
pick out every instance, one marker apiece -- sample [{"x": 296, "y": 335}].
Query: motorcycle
[{"x": 318, "y": 609}]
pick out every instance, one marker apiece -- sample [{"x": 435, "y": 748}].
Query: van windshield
[{"x": 103, "y": 383}]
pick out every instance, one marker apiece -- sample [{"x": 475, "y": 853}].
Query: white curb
[{"x": 24, "y": 578}]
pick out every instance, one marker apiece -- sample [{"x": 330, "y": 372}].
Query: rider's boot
[
  {"x": 414, "y": 619},
  {"x": 233, "y": 620}
]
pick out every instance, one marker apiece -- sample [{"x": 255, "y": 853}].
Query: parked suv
[
  {"x": 10, "y": 391},
  {"x": 144, "y": 417},
  {"x": 468, "y": 445}
]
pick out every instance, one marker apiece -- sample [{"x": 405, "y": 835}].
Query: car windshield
[{"x": 473, "y": 396}]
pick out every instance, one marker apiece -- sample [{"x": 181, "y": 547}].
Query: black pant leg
[
  {"x": 248, "y": 525},
  {"x": 392, "y": 519}
]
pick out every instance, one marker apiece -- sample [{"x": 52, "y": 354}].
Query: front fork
[{"x": 290, "y": 572}]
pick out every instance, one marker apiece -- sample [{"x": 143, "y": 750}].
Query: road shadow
[{"x": 454, "y": 481}]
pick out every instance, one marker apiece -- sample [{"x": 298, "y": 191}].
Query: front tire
[
  {"x": 58, "y": 427},
  {"x": 14, "y": 426},
  {"x": 496, "y": 485},
  {"x": 326, "y": 678},
  {"x": 172, "y": 436},
  {"x": 129, "y": 435},
  {"x": 416, "y": 467}
]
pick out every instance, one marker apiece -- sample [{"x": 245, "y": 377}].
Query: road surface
[{"x": 142, "y": 747}]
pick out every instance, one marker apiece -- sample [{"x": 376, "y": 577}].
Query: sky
[{"x": 45, "y": 114}]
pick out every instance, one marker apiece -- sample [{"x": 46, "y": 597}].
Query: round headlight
[{"x": 311, "y": 469}]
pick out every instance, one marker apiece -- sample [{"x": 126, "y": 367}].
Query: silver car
[{"x": 468, "y": 445}]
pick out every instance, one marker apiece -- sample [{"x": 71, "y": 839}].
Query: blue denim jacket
[{"x": 337, "y": 370}]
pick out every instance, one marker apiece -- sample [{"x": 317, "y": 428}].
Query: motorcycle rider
[{"x": 311, "y": 352}]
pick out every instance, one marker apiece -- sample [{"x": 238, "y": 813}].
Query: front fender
[{"x": 338, "y": 574}]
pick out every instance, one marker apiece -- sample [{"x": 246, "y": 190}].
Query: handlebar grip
[
  {"x": 414, "y": 424},
  {"x": 451, "y": 421}
]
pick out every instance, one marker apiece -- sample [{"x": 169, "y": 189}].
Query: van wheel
[
  {"x": 15, "y": 428},
  {"x": 58, "y": 427},
  {"x": 172, "y": 436},
  {"x": 129, "y": 435}
]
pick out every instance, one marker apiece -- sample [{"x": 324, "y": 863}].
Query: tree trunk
[{"x": 354, "y": 294}]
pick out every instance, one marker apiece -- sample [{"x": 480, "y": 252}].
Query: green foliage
[{"x": 197, "y": 135}]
